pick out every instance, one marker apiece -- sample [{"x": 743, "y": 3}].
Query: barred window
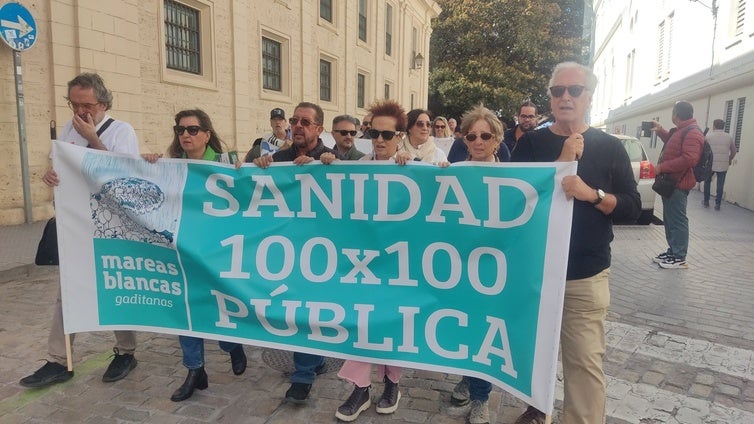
[
  {"x": 182, "y": 38},
  {"x": 388, "y": 30},
  {"x": 361, "y": 88},
  {"x": 325, "y": 80},
  {"x": 272, "y": 64},
  {"x": 325, "y": 10},
  {"x": 363, "y": 20}
]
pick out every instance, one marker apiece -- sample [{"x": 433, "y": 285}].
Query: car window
[{"x": 634, "y": 150}]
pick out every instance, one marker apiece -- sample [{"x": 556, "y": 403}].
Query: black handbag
[
  {"x": 47, "y": 250},
  {"x": 664, "y": 185}
]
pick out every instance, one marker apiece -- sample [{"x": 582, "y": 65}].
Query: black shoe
[
  {"x": 357, "y": 403},
  {"x": 298, "y": 392},
  {"x": 196, "y": 379},
  {"x": 119, "y": 368},
  {"x": 388, "y": 402},
  {"x": 238, "y": 360},
  {"x": 50, "y": 373}
]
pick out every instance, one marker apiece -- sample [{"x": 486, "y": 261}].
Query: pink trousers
[{"x": 359, "y": 373}]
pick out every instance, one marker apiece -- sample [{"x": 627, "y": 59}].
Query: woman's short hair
[
  {"x": 215, "y": 143},
  {"x": 390, "y": 108},
  {"x": 478, "y": 113}
]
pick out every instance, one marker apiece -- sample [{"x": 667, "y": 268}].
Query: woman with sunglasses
[
  {"x": 482, "y": 131},
  {"x": 194, "y": 137},
  {"x": 418, "y": 141},
  {"x": 441, "y": 128}
]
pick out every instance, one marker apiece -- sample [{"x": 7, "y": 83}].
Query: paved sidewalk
[{"x": 680, "y": 348}]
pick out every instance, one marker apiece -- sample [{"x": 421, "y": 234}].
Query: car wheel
[{"x": 646, "y": 217}]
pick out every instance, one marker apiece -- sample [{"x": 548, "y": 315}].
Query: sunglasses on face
[
  {"x": 423, "y": 124},
  {"x": 344, "y": 133},
  {"x": 192, "y": 129},
  {"x": 386, "y": 135},
  {"x": 303, "y": 121},
  {"x": 440, "y": 127},
  {"x": 366, "y": 123},
  {"x": 573, "y": 90},
  {"x": 483, "y": 136}
]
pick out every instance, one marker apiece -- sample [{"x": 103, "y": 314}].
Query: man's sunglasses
[
  {"x": 303, "y": 121},
  {"x": 483, "y": 136},
  {"x": 192, "y": 129},
  {"x": 573, "y": 90},
  {"x": 344, "y": 133},
  {"x": 386, "y": 135}
]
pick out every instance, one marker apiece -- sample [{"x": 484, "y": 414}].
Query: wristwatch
[{"x": 600, "y": 197}]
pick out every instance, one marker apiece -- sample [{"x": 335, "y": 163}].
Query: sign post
[{"x": 19, "y": 31}]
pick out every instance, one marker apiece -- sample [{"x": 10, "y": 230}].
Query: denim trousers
[
  {"x": 676, "y": 223},
  {"x": 193, "y": 350},
  {"x": 305, "y": 364},
  {"x": 479, "y": 389},
  {"x": 720, "y": 184}
]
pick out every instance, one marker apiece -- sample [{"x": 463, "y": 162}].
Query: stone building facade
[{"x": 236, "y": 59}]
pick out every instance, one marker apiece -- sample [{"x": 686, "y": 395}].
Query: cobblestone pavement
[{"x": 680, "y": 349}]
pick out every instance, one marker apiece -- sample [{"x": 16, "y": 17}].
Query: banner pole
[{"x": 68, "y": 352}]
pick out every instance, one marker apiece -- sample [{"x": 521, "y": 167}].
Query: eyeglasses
[
  {"x": 88, "y": 106},
  {"x": 386, "y": 135},
  {"x": 440, "y": 127},
  {"x": 192, "y": 129},
  {"x": 422, "y": 124},
  {"x": 484, "y": 136},
  {"x": 366, "y": 123},
  {"x": 532, "y": 116},
  {"x": 303, "y": 121},
  {"x": 573, "y": 90},
  {"x": 343, "y": 133}
]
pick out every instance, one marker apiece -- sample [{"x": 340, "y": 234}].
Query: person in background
[
  {"x": 527, "y": 121},
  {"x": 90, "y": 126},
  {"x": 344, "y": 132},
  {"x": 482, "y": 130},
  {"x": 452, "y": 124},
  {"x": 365, "y": 125},
  {"x": 418, "y": 141},
  {"x": 723, "y": 151},
  {"x": 681, "y": 152},
  {"x": 602, "y": 190},
  {"x": 278, "y": 138},
  {"x": 441, "y": 128},
  {"x": 194, "y": 137}
]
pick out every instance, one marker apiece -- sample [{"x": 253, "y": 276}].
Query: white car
[{"x": 644, "y": 174}]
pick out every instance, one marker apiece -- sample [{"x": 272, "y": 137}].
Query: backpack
[{"x": 703, "y": 169}]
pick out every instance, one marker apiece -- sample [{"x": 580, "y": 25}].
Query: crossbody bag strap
[{"x": 104, "y": 126}]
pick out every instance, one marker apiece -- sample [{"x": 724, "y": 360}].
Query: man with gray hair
[
  {"x": 603, "y": 190},
  {"x": 91, "y": 127},
  {"x": 344, "y": 132}
]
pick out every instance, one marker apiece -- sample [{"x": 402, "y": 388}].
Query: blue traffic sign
[{"x": 17, "y": 27}]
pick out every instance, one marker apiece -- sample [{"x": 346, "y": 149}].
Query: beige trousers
[
  {"x": 125, "y": 341},
  {"x": 582, "y": 347}
]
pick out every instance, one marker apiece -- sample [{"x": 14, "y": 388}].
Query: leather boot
[
  {"x": 238, "y": 360},
  {"x": 196, "y": 379}
]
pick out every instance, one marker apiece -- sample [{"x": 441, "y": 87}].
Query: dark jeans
[
  {"x": 193, "y": 350},
  {"x": 719, "y": 192},
  {"x": 305, "y": 364},
  {"x": 479, "y": 389}
]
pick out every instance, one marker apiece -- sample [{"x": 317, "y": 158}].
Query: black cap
[{"x": 277, "y": 113}]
